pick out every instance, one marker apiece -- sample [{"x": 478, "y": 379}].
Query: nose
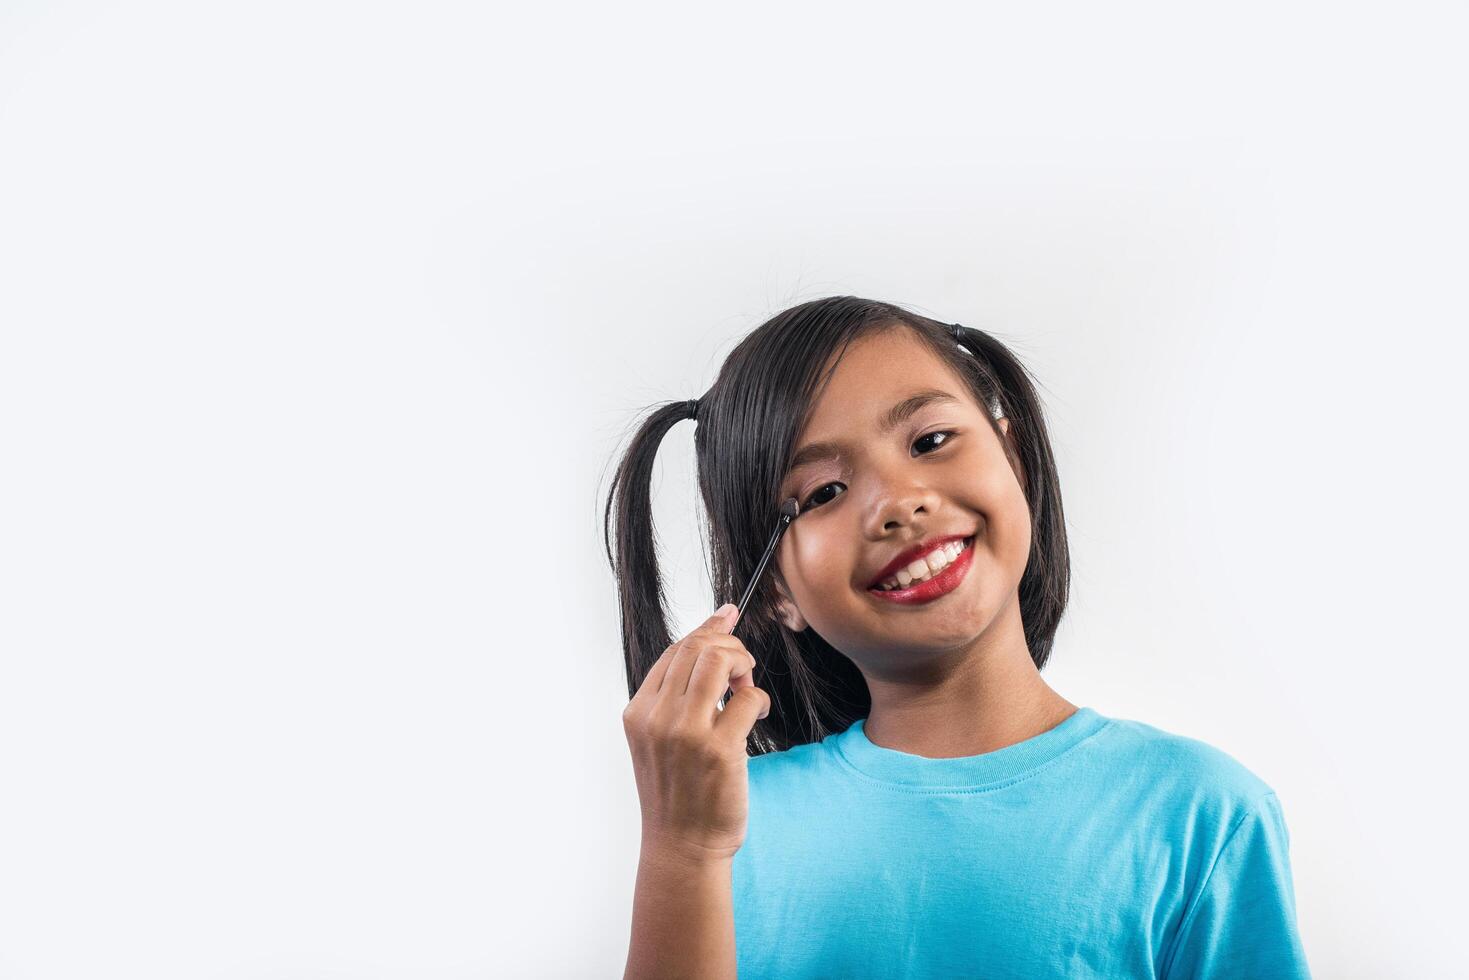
[{"x": 900, "y": 498}]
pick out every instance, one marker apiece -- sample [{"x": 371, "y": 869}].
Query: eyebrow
[{"x": 815, "y": 452}]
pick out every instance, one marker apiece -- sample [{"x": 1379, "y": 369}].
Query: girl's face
[{"x": 939, "y": 471}]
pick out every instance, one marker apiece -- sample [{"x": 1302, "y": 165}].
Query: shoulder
[
  {"x": 790, "y": 768},
  {"x": 786, "y": 760},
  {"x": 1193, "y": 799},
  {"x": 1185, "y": 781}
]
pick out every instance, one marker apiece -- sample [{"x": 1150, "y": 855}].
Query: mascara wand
[{"x": 788, "y": 512}]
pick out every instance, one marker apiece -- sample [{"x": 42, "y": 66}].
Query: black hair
[{"x": 744, "y": 438}]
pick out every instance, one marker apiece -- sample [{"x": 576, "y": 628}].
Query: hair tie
[
  {"x": 958, "y": 332},
  {"x": 693, "y": 408}
]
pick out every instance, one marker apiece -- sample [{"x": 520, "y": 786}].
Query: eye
[
  {"x": 811, "y": 501},
  {"x": 941, "y": 432}
]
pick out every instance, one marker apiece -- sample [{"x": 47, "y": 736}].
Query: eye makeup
[{"x": 844, "y": 473}]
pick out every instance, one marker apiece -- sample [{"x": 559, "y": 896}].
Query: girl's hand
[{"x": 688, "y": 756}]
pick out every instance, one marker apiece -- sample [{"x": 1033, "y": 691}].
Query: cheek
[
  {"x": 1019, "y": 545},
  {"x": 999, "y": 499},
  {"x": 812, "y": 560}
]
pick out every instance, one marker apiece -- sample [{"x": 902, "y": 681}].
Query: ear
[
  {"x": 1010, "y": 452},
  {"x": 785, "y": 609},
  {"x": 1006, "y": 442}
]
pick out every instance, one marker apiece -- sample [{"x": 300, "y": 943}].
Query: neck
[{"x": 992, "y": 698}]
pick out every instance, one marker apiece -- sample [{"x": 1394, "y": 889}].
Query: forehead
[{"x": 876, "y": 371}]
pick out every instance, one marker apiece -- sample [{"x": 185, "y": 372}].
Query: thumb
[{"x": 723, "y": 617}]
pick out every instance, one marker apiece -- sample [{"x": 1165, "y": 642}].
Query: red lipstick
[
  {"x": 926, "y": 591},
  {"x": 907, "y": 558}
]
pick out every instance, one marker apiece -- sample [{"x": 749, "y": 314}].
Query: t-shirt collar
[{"x": 965, "y": 772}]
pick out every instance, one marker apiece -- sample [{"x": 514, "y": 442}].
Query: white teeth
[
  {"x": 924, "y": 568},
  {"x": 921, "y": 567}
]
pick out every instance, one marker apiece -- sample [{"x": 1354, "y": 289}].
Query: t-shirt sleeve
[{"x": 1242, "y": 923}]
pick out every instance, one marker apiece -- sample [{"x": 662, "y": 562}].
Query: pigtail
[
  {"x": 632, "y": 545},
  {"x": 1046, "y": 583}
]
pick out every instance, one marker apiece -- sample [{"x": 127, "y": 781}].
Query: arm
[
  {"x": 682, "y": 917},
  {"x": 1242, "y": 923}
]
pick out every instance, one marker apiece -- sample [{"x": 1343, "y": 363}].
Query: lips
[
  {"x": 906, "y": 558},
  {"x": 921, "y": 593}
]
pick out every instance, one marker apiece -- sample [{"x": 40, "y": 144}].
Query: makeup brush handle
[
  {"x": 764, "y": 560},
  {"x": 788, "y": 514}
]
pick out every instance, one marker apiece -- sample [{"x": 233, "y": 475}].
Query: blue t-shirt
[{"x": 1100, "y": 848}]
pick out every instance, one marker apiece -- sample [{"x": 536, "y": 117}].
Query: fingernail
[{"x": 726, "y": 609}]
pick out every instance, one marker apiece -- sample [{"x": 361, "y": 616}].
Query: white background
[{"x": 322, "y": 325}]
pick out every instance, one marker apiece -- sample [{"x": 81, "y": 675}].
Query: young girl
[{"x": 892, "y": 790}]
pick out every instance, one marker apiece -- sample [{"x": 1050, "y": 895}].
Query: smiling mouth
[{"x": 925, "y": 569}]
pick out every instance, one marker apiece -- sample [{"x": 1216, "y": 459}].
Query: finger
[
  {"x": 718, "y": 669},
  {"x": 648, "y": 689},
  {"x": 725, "y": 618},
  {"x": 658, "y": 676},
  {"x": 712, "y": 630},
  {"x": 680, "y": 672},
  {"x": 737, "y": 720},
  {"x": 736, "y": 682},
  {"x": 745, "y": 678}
]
